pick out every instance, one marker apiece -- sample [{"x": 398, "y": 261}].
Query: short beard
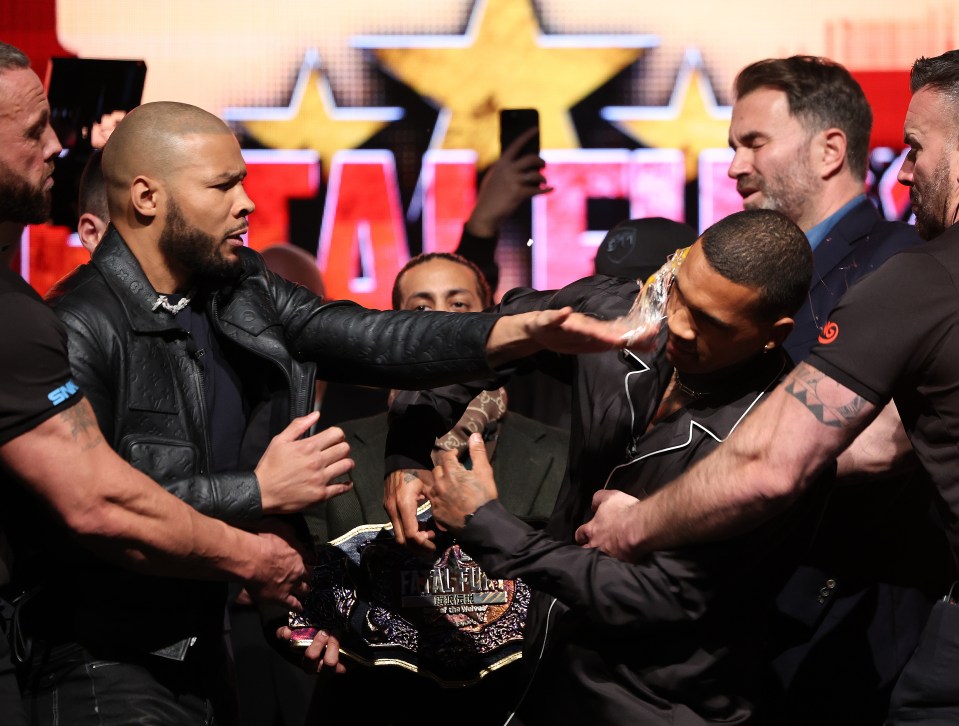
[
  {"x": 21, "y": 203},
  {"x": 195, "y": 252},
  {"x": 789, "y": 193},
  {"x": 931, "y": 208}
]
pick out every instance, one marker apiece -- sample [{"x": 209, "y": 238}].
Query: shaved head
[
  {"x": 174, "y": 177},
  {"x": 150, "y": 141}
]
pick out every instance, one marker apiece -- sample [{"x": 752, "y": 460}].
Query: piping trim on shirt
[
  {"x": 539, "y": 659},
  {"x": 692, "y": 425}
]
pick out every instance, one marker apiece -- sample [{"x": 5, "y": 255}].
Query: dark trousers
[
  {"x": 271, "y": 689},
  {"x": 11, "y": 710},
  {"x": 70, "y": 686},
  {"x": 928, "y": 690}
]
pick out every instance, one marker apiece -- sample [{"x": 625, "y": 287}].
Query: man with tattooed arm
[
  {"x": 51, "y": 449},
  {"x": 894, "y": 337}
]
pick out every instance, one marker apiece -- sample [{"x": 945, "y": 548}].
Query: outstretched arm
[
  {"x": 127, "y": 518},
  {"x": 559, "y": 331},
  {"x": 413, "y": 350},
  {"x": 806, "y": 422}
]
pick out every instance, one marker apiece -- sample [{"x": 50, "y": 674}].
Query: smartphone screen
[{"x": 513, "y": 122}]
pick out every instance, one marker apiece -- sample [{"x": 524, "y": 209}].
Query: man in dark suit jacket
[
  {"x": 853, "y": 245},
  {"x": 800, "y": 131}
]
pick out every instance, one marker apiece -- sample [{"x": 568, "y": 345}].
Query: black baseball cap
[{"x": 637, "y": 248}]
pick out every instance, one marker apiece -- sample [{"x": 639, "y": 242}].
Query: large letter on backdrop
[
  {"x": 273, "y": 178},
  {"x": 718, "y": 197},
  {"x": 563, "y": 249},
  {"x": 449, "y": 194},
  {"x": 363, "y": 241},
  {"x": 47, "y": 253}
]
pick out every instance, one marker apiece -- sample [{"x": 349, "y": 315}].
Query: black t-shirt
[
  {"x": 36, "y": 382},
  {"x": 896, "y": 336}
]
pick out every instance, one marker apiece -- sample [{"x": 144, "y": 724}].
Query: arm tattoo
[
  {"x": 803, "y": 385},
  {"x": 83, "y": 425}
]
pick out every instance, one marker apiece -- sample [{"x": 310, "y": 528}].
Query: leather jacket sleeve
[
  {"x": 233, "y": 497},
  {"x": 417, "y": 418},
  {"x": 394, "y": 349}
]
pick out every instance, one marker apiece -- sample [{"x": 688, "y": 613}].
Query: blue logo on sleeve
[{"x": 62, "y": 393}]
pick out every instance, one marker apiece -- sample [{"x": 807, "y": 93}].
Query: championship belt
[{"x": 445, "y": 618}]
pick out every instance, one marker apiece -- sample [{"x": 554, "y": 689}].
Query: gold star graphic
[
  {"x": 692, "y": 121},
  {"x": 313, "y": 120},
  {"x": 504, "y": 61}
]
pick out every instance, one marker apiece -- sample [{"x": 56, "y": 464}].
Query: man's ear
[
  {"x": 779, "y": 332},
  {"x": 831, "y": 152},
  {"x": 90, "y": 230},
  {"x": 144, "y": 196}
]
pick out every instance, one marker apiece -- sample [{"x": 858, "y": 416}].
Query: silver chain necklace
[{"x": 163, "y": 302}]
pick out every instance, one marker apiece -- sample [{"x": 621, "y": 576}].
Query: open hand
[
  {"x": 296, "y": 472},
  {"x": 564, "y": 331}
]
